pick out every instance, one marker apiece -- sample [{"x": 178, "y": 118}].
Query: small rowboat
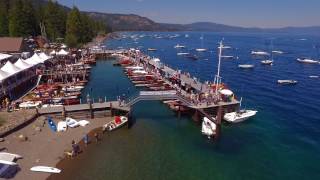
[
  {"x": 46, "y": 169},
  {"x": 116, "y": 123}
]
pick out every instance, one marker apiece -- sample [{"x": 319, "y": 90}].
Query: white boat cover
[
  {"x": 10, "y": 68},
  {"x": 226, "y": 92},
  {"x": 3, "y": 75},
  {"x": 62, "y": 52},
  {"x": 4, "y": 56},
  {"x": 22, "y": 64}
]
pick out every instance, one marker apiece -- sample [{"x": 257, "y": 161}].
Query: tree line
[{"x": 23, "y": 18}]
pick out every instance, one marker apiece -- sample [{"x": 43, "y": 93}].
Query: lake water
[{"x": 281, "y": 142}]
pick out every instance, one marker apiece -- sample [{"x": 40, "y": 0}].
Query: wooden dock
[{"x": 84, "y": 107}]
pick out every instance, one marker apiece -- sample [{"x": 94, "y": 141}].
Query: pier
[{"x": 186, "y": 90}]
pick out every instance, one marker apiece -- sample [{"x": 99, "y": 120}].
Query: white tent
[
  {"x": 62, "y": 52},
  {"x": 22, "y": 64},
  {"x": 44, "y": 57},
  {"x": 10, "y": 68},
  {"x": 63, "y": 46},
  {"x": 3, "y": 75},
  {"x": 53, "y": 52},
  {"x": 35, "y": 59},
  {"x": 4, "y": 56}
]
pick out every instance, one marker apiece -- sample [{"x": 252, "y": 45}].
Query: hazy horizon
[{"x": 245, "y": 13}]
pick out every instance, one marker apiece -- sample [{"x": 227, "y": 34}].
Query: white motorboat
[
  {"x": 314, "y": 77},
  {"x": 267, "y": 62},
  {"x": 72, "y": 122},
  {"x": 307, "y": 61},
  {"x": 182, "y": 54},
  {"x": 246, "y": 66},
  {"x": 287, "y": 81},
  {"x": 208, "y": 127},
  {"x": 178, "y": 46},
  {"x": 277, "y": 52},
  {"x": 139, "y": 72},
  {"x": 259, "y": 53},
  {"x": 152, "y": 49},
  {"x": 72, "y": 88},
  {"x": 116, "y": 123},
  {"x": 201, "y": 50},
  {"x": 30, "y": 104},
  {"x": 242, "y": 115},
  {"x": 46, "y": 169},
  {"x": 51, "y": 105}
]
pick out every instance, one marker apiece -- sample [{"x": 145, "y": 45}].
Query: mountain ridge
[{"x": 134, "y": 22}]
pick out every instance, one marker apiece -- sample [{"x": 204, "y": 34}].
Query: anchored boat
[
  {"x": 208, "y": 127},
  {"x": 287, "y": 82},
  {"x": 246, "y": 66},
  {"x": 242, "y": 115}
]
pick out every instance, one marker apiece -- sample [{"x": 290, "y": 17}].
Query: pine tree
[
  {"x": 29, "y": 20},
  {"x": 74, "y": 28},
  {"x": 16, "y": 18},
  {"x": 54, "y": 18},
  {"x": 4, "y": 26}
]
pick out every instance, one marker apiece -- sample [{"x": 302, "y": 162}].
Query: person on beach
[
  {"x": 75, "y": 148},
  {"x": 96, "y": 136},
  {"x": 86, "y": 139}
]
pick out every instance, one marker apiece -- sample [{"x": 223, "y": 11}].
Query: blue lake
[{"x": 281, "y": 142}]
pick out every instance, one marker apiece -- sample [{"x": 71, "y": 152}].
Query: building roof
[{"x": 11, "y": 44}]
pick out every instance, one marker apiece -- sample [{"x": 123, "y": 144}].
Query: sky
[{"x": 245, "y": 13}]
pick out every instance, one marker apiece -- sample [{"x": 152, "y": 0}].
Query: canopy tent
[
  {"x": 4, "y": 56},
  {"x": 44, "y": 57},
  {"x": 63, "y": 46},
  {"x": 53, "y": 52},
  {"x": 22, "y": 64},
  {"x": 226, "y": 92},
  {"x": 62, "y": 52},
  {"x": 10, "y": 68},
  {"x": 3, "y": 75},
  {"x": 35, "y": 59}
]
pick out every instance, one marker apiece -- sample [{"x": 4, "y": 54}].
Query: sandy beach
[{"x": 45, "y": 147}]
